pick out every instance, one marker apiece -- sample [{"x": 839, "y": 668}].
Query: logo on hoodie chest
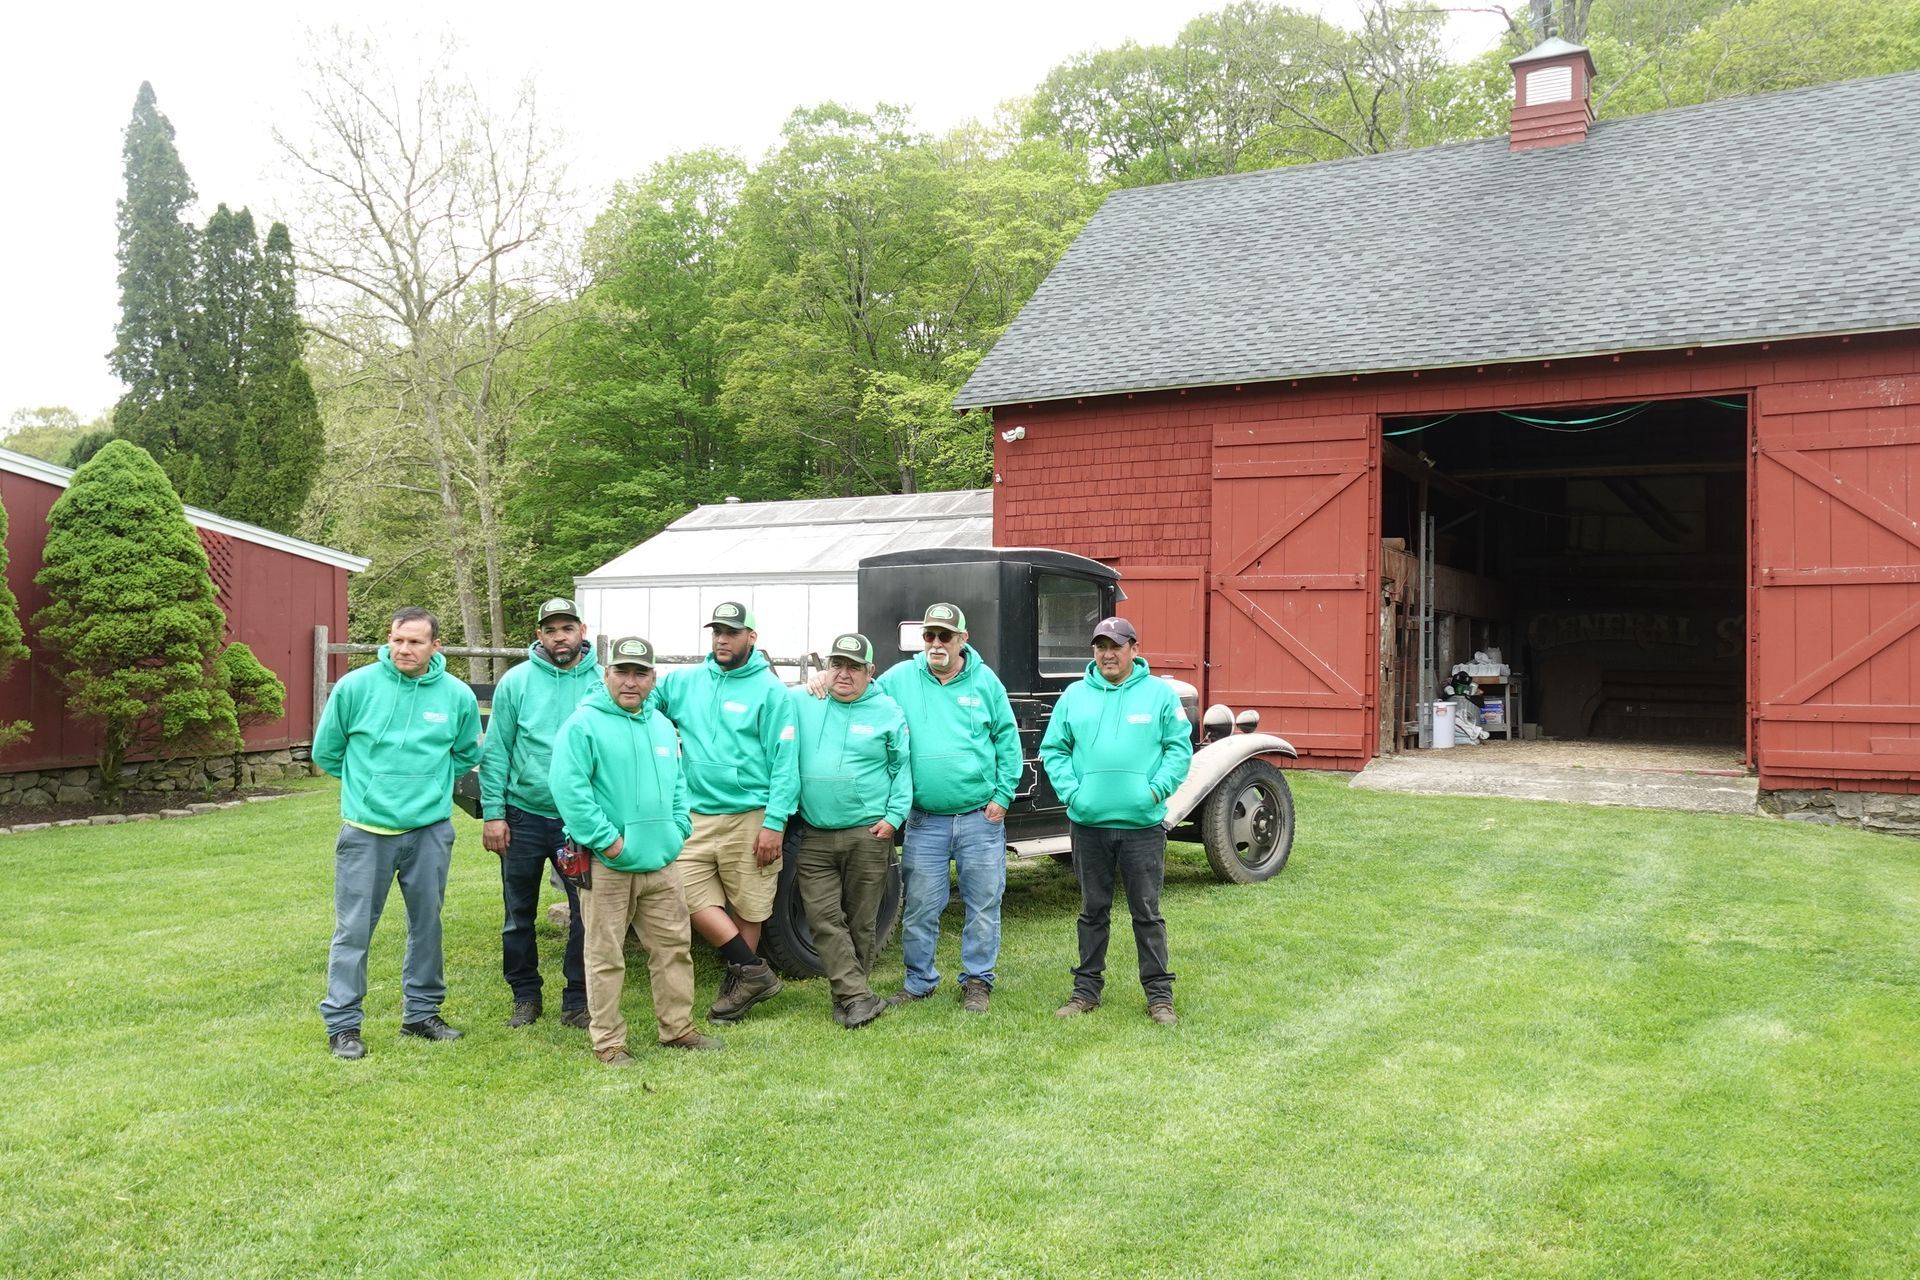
[
  {"x": 860, "y": 730},
  {"x": 1139, "y": 717},
  {"x": 968, "y": 700},
  {"x": 737, "y": 708},
  {"x": 434, "y": 717}
]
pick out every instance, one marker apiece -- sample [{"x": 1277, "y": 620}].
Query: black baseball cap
[{"x": 1118, "y": 630}]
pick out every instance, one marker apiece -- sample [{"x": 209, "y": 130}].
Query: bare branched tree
[{"x": 432, "y": 221}]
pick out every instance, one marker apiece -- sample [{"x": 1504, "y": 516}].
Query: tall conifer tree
[
  {"x": 278, "y": 450},
  {"x": 12, "y": 643},
  {"x": 157, "y": 284}
]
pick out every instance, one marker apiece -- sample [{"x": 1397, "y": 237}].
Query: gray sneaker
[
  {"x": 973, "y": 995},
  {"x": 751, "y": 984},
  {"x": 1075, "y": 1006}
]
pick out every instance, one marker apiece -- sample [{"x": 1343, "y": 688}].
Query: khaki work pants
[
  {"x": 842, "y": 875},
  {"x": 649, "y": 902}
]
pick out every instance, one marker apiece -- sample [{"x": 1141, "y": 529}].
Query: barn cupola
[{"x": 1552, "y": 95}]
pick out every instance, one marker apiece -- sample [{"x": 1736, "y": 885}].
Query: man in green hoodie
[
  {"x": 1116, "y": 747},
  {"x": 855, "y": 788},
  {"x": 396, "y": 734},
  {"x": 522, "y": 824},
  {"x": 966, "y": 765},
  {"x": 616, "y": 779},
  {"x": 736, "y": 733}
]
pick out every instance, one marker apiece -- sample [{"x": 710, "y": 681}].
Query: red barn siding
[
  {"x": 273, "y": 600},
  {"x": 1171, "y": 478}
]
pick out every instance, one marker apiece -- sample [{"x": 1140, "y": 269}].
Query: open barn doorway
[{"x": 1583, "y": 581}]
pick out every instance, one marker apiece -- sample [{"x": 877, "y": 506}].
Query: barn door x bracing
[
  {"x": 1294, "y": 617},
  {"x": 1836, "y": 613}
]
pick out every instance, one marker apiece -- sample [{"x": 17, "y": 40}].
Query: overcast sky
[{"x": 627, "y": 85}]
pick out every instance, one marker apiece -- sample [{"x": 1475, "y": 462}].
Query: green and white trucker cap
[
  {"x": 852, "y": 646},
  {"x": 630, "y": 651},
  {"x": 558, "y": 607},
  {"x": 733, "y": 615},
  {"x": 947, "y": 616}
]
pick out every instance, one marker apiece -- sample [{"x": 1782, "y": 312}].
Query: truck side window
[{"x": 1068, "y": 609}]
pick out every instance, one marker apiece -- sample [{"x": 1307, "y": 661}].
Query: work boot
[
  {"x": 973, "y": 995},
  {"x": 347, "y": 1044},
  {"x": 431, "y": 1027},
  {"x": 525, "y": 1013},
  {"x": 904, "y": 996},
  {"x": 1162, "y": 1013},
  {"x": 752, "y": 983},
  {"x": 695, "y": 1041},
  {"x": 858, "y": 1011},
  {"x": 614, "y": 1057},
  {"x": 575, "y": 1018},
  {"x": 1075, "y": 1006}
]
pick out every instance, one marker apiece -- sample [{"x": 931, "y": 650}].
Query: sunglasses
[{"x": 933, "y": 636}]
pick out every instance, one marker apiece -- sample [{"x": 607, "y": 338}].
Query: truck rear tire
[
  {"x": 1246, "y": 824},
  {"x": 787, "y": 942}
]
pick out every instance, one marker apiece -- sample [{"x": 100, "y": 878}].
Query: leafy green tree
[
  {"x": 280, "y": 440},
  {"x": 81, "y": 451},
  {"x": 13, "y": 648},
  {"x": 48, "y": 433},
  {"x": 132, "y": 622},
  {"x": 157, "y": 284}
]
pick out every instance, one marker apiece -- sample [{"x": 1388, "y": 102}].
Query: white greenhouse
[{"x": 793, "y": 563}]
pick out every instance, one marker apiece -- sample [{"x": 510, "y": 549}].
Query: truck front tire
[{"x": 1246, "y": 823}]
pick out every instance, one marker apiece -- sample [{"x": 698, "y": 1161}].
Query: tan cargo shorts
[{"x": 717, "y": 865}]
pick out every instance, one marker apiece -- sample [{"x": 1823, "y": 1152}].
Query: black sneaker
[
  {"x": 575, "y": 1018},
  {"x": 525, "y": 1013},
  {"x": 431, "y": 1027},
  {"x": 347, "y": 1044}
]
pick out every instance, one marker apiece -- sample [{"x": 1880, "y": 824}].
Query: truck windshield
[{"x": 1069, "y": 608}]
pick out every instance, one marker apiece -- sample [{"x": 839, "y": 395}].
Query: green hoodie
[
  {"x": 397, "y": 742},
  {"x": 853, "y": 759},
  {"x": 736, "y": 737},
  {"x": 966, "y": 747},
  {"x": 1115, "y": 752},
  {"x": 530, "y": 704},
  {"x": 617, "y": 773}
]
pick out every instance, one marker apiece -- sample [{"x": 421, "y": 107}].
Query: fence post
[{"x": 319, "y": 676}]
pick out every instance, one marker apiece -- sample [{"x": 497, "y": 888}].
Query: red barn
[
  {"x": 1647, "y": 392},
  {"x": 275, "y": 591}
]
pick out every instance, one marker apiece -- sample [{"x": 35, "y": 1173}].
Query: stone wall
[
  {"x": 1872, "y": 810},
  {"x": 156, "y": 777}
]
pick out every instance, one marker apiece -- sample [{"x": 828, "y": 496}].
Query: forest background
[{"x": 500, "y": 400}]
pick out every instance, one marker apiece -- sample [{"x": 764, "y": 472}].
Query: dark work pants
[
  {"x": 842, "y": 875},
  {"x": 522, "y": 868},
  {"x": 1138, "y": 859}
]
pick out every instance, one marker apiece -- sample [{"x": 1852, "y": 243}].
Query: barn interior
[{"x": 1587, "y": 565}]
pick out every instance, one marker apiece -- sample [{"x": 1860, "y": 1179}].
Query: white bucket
[{"x": 1442, "y": 726}]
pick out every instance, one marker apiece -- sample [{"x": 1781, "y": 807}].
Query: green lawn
[{"x": 1455, "y": 1038}]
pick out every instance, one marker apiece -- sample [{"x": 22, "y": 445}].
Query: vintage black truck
[{"x": 1031, "y": 613}]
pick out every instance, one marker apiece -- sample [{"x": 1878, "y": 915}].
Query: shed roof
[
  {"x": 1780, "y": 216},
  {"x": 812, "y": 539},
  {"x": 22, "y": 464}
]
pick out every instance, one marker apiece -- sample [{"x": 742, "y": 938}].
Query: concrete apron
[{"x": 1634, "y": 775}]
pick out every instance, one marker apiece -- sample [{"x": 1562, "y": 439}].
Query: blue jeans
[
  {"x": 365, "y": 866},
  {"x": 979, "y": 849},
  {"x": 523, "y": 868}
]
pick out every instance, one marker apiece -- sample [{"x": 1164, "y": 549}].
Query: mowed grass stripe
[{"x": 1455, "y": 1037}]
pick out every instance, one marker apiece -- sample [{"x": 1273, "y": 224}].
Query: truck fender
[{"x": 1215, "y": 761}]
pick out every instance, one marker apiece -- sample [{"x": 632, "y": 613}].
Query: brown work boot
[
  {"x": 751, "y": 984},
  {"x": 1075, "y": 1006},
  {"x": 973, "y": 995},
  {"x": 859, "y": 1010},
  {"x": 1162, "y": 1013},
  {"x": 614, "y": 1057},
  {"x": 525, "y": 1013},
  {"x": 904, "y": 996},
  {"x": 694, "y": 1040}
]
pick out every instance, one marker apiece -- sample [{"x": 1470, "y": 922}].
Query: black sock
[{"x": 736, "y": 951}]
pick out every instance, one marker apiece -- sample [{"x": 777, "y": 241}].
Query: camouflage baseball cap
[
  {"x": 630, "y": 651},
  {"x": 558, "y": 607},
  {"x": 852, "y": 646},
  {"x": 945, "y": 615},
  {"x": 732, "y": 615}
]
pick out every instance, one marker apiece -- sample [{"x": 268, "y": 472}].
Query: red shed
[
  {"x": 1647, "y": 393},
  {"x": 275, "y": 591}
]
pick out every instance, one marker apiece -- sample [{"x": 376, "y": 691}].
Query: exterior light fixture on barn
[
  {"x": 274, "y": 589},
  {"x": 1206, "y": 380},
  {"x": 794, "y": 563}
]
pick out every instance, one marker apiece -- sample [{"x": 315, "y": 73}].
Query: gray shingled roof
[{"x": 1787, "y": 215}]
